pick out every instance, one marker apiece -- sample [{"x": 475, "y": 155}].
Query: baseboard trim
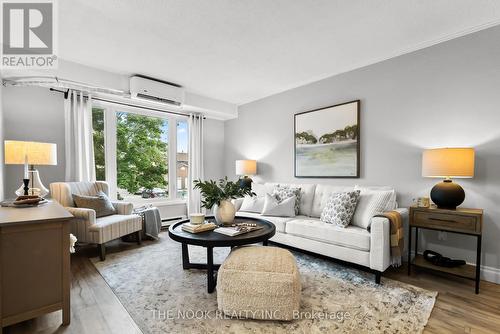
[{"x": 489, "y": 274}]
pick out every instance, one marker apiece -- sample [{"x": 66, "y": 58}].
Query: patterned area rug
[{"x": 163, "y": 298}]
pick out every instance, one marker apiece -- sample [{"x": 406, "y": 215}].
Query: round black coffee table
[{"x": 211, "y": 239}]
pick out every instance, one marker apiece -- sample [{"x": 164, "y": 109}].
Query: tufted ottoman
[{"x": 259, "y": 283}]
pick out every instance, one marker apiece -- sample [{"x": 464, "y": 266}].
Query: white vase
[{"x": 225, "y": 212}]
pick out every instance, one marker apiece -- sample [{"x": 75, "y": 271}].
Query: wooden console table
[
  {"x": 34, "y": 263},
  {"x": 461, "y": 221}
]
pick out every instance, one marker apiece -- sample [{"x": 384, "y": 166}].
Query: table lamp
[
  {"x": 30, "y": 153},
  {"x": 448, "y": 163},
  {"x": 245, "y": 168}
]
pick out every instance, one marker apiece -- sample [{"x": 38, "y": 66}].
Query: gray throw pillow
[
  {"x": 273, "y": 207},
  {"x": 252, "y": 204},
  {"x": 100, "y": 203},
  {"x": 340, "y": 208},
  {"x": 282, "y": 192}
]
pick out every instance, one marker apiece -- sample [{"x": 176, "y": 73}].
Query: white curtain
[
  {"x": 80, "y": 165},
  {"x": 195, "y": 161}
]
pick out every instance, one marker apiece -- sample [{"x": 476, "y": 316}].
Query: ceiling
[{"x": 239, "y": 51}]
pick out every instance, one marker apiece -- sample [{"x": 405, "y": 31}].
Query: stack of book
[{"x": 197, "y": 228}]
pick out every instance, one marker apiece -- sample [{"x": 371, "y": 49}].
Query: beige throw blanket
[{"x": 397, "y": 235}]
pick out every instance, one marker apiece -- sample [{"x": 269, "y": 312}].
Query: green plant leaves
[{"x": 214, "y": 192}]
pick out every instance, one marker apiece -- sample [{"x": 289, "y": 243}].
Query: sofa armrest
[
  {"x": 380, "y": 243},
  {"x": 88, "y": 215},
  {"x": 123, "y": 208}
]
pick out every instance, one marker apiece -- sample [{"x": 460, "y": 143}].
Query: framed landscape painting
[{"x": 327, "y": 142}]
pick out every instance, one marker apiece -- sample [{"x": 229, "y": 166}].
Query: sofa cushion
[
  {"x": 310, "y": 228},
  {"x": 321, "y": 195},
  {"x": 370, "y": 203},
  {"x": 274, "y": 207},
  {"x": 306, "y": 195},
  {"x": 260, "y": 189},
  {"x": 279, "y": 222}
]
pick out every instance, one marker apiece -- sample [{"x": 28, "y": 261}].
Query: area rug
[{"x": 161, "y": 297}]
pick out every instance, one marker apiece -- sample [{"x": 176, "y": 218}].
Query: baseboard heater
[{"x": 165, "y": 222}]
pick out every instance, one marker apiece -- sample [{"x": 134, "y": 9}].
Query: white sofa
[{"x": 369, "y": 247}]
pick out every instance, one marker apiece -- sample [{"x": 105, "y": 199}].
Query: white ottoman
[{"x": 259, "y": 283}]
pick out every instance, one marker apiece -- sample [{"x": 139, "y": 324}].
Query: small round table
[{"x": 211, "y": 239}]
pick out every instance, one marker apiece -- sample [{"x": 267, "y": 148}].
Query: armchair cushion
[
  {"x": 113, "y": 227},
  {"x": 100, "y": 203}
]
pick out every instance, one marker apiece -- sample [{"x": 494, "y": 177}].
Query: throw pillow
[
  {"x": 100, "y": 203},
  {"x": 370, "y": 203},
  {"x": 273, "y": 207},
  {"x": 252, "y": 204},
  {"x": 282, "y": 192},
  {"x": 391, "y": 205},
  {"x": 340, "y": 208}
]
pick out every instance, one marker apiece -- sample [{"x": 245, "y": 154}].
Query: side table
[{"x": 461, "y": 221}]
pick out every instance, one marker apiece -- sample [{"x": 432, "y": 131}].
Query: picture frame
[{"x": 327, "y": 142}]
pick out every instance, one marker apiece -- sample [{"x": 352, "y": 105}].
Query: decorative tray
[{"x": 10, "y": 204}]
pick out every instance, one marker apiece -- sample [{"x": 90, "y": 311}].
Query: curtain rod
[{"x": 85, "y": 96}]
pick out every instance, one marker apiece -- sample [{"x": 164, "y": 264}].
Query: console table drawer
[{"x": 443, "y": 221}]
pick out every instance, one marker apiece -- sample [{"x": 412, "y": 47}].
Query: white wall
[
  {"x": 213, "y": 149},
  {"x": 445, "y": 95}
]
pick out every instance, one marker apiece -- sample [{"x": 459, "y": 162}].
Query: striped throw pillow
[{"x": 370, "y": 203}]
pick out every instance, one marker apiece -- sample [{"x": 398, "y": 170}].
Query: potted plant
[{"x": 218, "y": 196}]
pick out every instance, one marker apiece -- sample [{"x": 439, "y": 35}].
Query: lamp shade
[
  {"x": 246, "y": 167},
  {"x": 448, "y": 162},
  {"x": 37, "y": 153}
]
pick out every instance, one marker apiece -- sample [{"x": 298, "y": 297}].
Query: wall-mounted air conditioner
[{"x": 148, "y": 89}]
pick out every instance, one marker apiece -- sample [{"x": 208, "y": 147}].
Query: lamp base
[
  {"x": 36, "y": 186},
  {"x": 246, "y": 182},
  {"x": 447, "y": 195}
]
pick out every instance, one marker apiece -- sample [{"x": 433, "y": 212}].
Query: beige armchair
[{"x": 85, "y": 226}]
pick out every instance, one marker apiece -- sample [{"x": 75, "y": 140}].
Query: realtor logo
[{"x": 28, "y": 34}]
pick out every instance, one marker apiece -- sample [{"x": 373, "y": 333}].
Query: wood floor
[
  {"x": 458, "y": 309},
  {"x": 95, "y": 309}
]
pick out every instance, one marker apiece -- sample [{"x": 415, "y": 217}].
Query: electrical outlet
[{"x": 442, "y": 235}]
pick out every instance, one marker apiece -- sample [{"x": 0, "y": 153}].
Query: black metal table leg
[
  {"x": 478, "y": 263},
  {"x": 416, "y": 242},
  {"x": 409, "y": 250},
  {"x": 185, "y": 257},
  {"x": 210, "y": 270}
]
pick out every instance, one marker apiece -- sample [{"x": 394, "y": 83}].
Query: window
[
  {"x": 133, "y": 150},
  {"x": 141, "y": 156},
  {"x": 98, "y": 126}
]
